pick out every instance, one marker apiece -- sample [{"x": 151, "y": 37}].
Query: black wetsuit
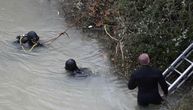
[
  {"x": 82, "y": 72},
  {"x": 146, "y": 79},
  {"x": 28, "y": 42},
  {"x": 37, "y": 45}
]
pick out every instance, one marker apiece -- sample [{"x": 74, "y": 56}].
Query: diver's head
[
  {"x": 144, "y": 59},
  {"x": 32, "y": 36},
  {"x": 70, "y": 65}
]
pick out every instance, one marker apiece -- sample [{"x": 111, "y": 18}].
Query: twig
[
  {"x": 121, "y": 48},
  {"x": 53, "y": 39},
  {"x": 105, "y": 27},
  {"x": 116, "y": 48},
  {"x": 119, "y": 43},
  {"x": 62, "y": 33}
]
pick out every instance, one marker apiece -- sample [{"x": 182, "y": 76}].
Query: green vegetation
[
  {"x": 186, "y": 102},
  {"x": 162, "y": 28}
]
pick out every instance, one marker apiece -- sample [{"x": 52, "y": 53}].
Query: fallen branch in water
[
  {"x": 53, "y": 39},
  {"x": 62, "y": 33}
]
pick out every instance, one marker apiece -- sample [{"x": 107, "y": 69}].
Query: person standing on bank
[{"x": 147, "y": 78}]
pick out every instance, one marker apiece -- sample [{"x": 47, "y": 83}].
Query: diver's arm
[{"x": 132, "y": 84}]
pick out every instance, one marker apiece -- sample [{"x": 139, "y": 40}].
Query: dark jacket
[
  {"x": 146, "y": 79},
  {"x": 82, "y": 72}
]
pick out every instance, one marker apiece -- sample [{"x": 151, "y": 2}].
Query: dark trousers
[{"x": 144, "y": 104}]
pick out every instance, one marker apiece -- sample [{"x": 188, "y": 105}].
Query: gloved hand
[{"x": 23, "y": 39}]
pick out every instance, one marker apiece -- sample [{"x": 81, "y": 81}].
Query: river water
[{"x": 37, "y": 80}]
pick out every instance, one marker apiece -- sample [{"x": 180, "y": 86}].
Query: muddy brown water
[{"x": 37, "y": 80}]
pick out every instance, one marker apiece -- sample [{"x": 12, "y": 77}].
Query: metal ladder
[{"x": 174, "y": 77}]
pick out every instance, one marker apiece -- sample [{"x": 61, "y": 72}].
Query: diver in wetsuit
[
  {"x": 29, "y": 40},
  {"x": 147, "y": 79},
  {"x": 73, "y": 69}
]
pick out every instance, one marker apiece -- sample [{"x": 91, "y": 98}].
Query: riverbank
[{"x": 128, "y": 28}]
